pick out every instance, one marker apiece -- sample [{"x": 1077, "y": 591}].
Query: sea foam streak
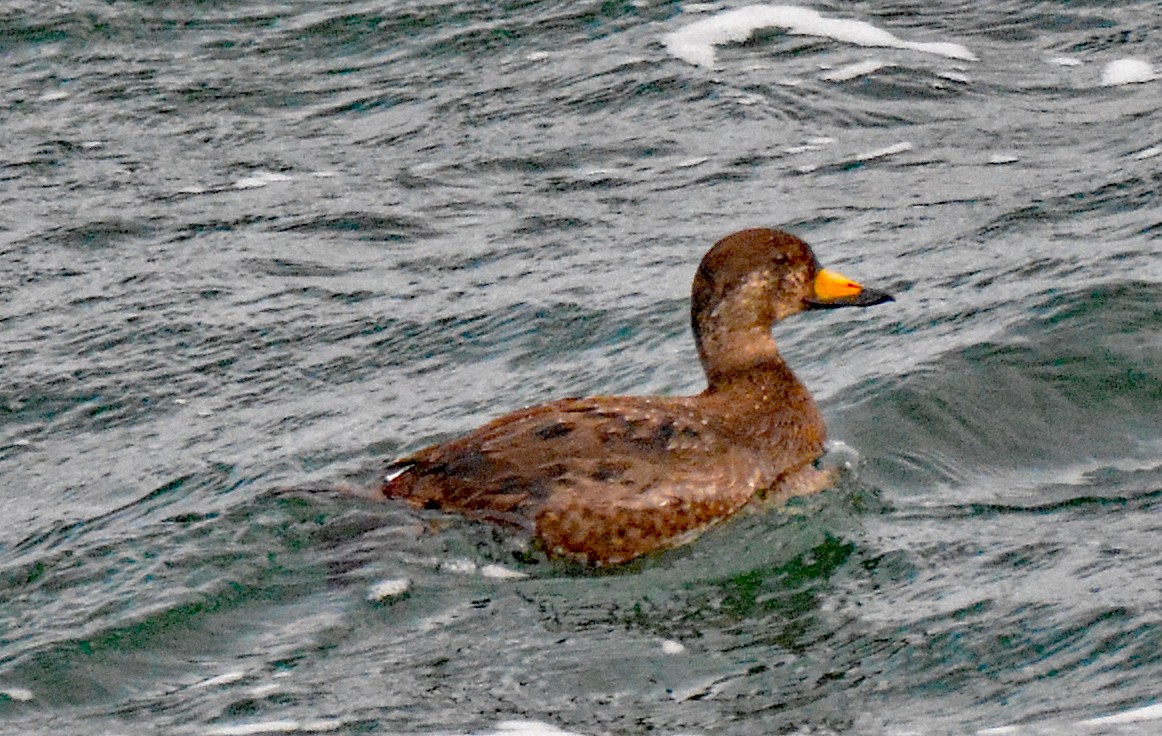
[{"x": 695, "y": 43}]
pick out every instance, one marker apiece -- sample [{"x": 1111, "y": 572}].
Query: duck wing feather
[{"x": 600, "y": 480}]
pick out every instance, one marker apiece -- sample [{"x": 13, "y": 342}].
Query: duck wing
[{"x": 600, "y": 480}]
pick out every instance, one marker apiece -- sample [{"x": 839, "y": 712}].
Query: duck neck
[
  {"x": 749, "y": 363},
  {"x": 738, "y": 357},
  {"x": 746, "y": 374}
]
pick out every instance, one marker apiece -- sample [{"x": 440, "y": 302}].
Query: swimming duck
[{"x": 605, "y": 479}]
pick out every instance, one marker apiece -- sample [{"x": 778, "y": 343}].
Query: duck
[{"x": 604, "y": 480}]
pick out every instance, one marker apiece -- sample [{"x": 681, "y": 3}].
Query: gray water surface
[{"x": 255, "y": 246}]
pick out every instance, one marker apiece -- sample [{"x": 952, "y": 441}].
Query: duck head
[{"x": 749, "y": 281}]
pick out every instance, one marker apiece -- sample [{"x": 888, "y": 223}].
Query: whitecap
[
  {"x": 839, "y": 454},
  {"x": 263, "y": 690},
  {"x": 390, "y": 588},
  {"x": 1127, "y": 71},
  {"x": 277, "y": 726},
  {"x": 21, "y": 694},
  {"x": 958, "y": 77},
  {"x": 853, "y": 71},
  {"x": 695, "y": 43},
  {"x": 1126, "y": 717},
  {"x": 1137, "y": 715},
  {"x": 260, "y": 179},
  {"x": 892, "y": 150},
  {"x": 812, "y": 144},
  {"x": 459, "y": 566},
  {"x": 227, "y": 678},
  {"x": 500, "y": 572},
  {"x": 529, "y": 728},
  {"x": 669, "y": 646}
]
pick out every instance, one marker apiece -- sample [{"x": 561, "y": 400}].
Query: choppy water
[{"x": 247, "y": 246}]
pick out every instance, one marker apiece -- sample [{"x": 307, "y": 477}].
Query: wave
[
  {"x": 695, "y": 43},
  {"x": 1076, "y": 387}
]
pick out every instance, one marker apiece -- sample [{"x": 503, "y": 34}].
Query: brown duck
[{"x": 605, "y": 479}]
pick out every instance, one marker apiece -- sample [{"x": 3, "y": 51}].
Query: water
[{"x": 252, "y": 246}]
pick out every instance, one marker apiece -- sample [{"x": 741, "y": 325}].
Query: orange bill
[{"x": 831, "y": 289}]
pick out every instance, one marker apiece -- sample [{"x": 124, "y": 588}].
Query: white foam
[
  {"x": 500, "y": 572},
  {"x": 748, "y": 100},
  {"x": 1145, "y": 153},
  {"x": 853, "y": 71},
  {"x": 459, "y": 566},
  {"x": 1000, "y": 159},
  {"x": 1127, "y": 71},
  {"x": 282, "y": 726},
  {"x": 669, "y": 646},
  {"x": 886, "y": 151},
  {"x": 1137, "y": 715},
  {"x": 839, "y": 454},
  {"x": 695, "y": 43},
  {"x": 1148, "y": 713},
  {"x": 529, "y": 728},
  {"x": 226, "y": 678},
  {"x": 263, "y": 690},
  {"x": 260, "y": 179},
  {"x": 390, "y": 588},
  {"x": 21, "y": 694},
  {"x": 958, "y": 77},
  {"x": 812, "y": 144},
  {"x": 1064, "y": 61}
]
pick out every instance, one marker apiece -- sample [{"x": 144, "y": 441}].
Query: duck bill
[{"x": 831, "y": 290}]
